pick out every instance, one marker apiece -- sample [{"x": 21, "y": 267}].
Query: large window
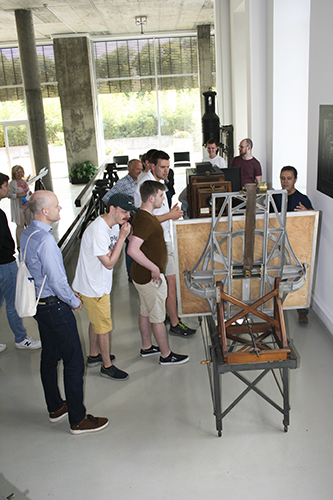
[{"x": 148, "y": 89}]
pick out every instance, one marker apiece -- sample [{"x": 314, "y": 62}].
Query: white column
[
  {"x": 223, "y": 62},
  {"x": 290, "y": 86}
]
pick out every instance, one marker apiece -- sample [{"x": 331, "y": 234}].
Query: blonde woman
[{"x": 18, "y": 192}]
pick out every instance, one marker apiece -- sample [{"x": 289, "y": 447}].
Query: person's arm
[
  {"x": 109, "y": 260},
  {"x": 174, "y": 214},
  {"x": 12, "y": 193},
  {"x": 52, "y": 265},
  {"x": 134, "y": 251},
  {"x": 258, "y": 178}
]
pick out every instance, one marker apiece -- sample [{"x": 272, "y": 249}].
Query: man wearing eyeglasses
[{"x": 250, "y": 167}]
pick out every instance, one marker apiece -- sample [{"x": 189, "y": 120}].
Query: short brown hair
[{"x": 149, "y": 188}]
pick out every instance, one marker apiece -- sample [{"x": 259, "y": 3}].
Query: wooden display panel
[{"x": 190, "y": 237}]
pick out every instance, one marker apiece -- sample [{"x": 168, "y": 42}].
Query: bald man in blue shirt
[{"x": 56, "y": 321}]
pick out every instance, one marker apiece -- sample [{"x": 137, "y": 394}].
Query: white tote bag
[{"x": 25, "y": 295}]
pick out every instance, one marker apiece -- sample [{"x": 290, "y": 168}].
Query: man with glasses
[{"x": 250, "y": 167}]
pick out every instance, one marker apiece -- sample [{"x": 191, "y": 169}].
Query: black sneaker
[
  {"x": 167, "y": 318},
  {"x": 97, "y": 360},
  {"x": 182, "y": 330},
  {"x": 114, "y": 373},
  {"x": 174, "y": 359},
  {"x": 154, "y": 349}
]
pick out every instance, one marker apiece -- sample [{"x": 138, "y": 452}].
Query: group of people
[{"x": 150, "y": 264}]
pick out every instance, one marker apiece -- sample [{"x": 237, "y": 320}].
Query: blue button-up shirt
[
  {"x": 126, "y": 185},
  {"x": 44, "y": 257}
]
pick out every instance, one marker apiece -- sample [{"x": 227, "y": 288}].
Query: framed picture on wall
[{"x": 325, "y": 150}]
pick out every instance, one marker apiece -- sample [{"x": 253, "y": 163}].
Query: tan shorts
[
  {"x": 152, "y": 299},
  {"x": 99, "y": 312},
  {"x": 170, "y": 267}
]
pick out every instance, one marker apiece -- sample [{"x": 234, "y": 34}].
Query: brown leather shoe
[
  {"x": 303, "y": 317},
  {"x": 55, "y": 416},
  {"x": 89, "y": 424}
]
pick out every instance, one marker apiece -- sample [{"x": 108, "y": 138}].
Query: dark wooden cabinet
[{"x": 200, "y": 188}]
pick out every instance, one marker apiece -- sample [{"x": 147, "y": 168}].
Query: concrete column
[
  {"x": 204, "y": 62},
  {"x": 78, "y": 97},
  {"x": 33, "y": 93}
]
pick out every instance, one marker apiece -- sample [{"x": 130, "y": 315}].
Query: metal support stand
[
  {"x": 250, "y": 333},
  {"x": 220, "y": 368}
]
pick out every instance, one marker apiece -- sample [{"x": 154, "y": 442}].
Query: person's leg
[
  {"x": 145, "y": 330},
  {"x": 60, "y": 339},
  {"x": 161, "y": 337},
  {"x": 93, "y": 344},
  {"x": 8, "y": 273},
  {"x": 103, "y": 340},
  {"x": 171, "y": 301},
  {"x": 19, "y": 228},
  {"x": 99, "y": 314},
  {"x": 303, "y": 316},
  {"x": 48, "y": 364}
]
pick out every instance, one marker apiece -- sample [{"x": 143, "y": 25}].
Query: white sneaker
[
  {"x": 2, "y": 347},
  {"x": 28, "y": 343}
]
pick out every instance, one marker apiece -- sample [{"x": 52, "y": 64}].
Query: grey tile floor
[{"x": 161, "y": 442}]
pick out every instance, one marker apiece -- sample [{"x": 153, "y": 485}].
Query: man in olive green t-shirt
[{"x": 148, "y": 250}]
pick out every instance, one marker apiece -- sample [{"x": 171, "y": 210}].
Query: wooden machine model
[{"x": 238, "y": 274}]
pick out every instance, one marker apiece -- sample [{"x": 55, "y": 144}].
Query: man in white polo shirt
[{"x": 160, "y": 163}]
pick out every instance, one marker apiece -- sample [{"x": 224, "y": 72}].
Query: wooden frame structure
[{"x": 250, "y": 334}]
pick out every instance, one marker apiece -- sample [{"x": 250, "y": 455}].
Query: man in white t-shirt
[
  {"x": 213, "y": 157},
  {"x": 100, "y": 249}
]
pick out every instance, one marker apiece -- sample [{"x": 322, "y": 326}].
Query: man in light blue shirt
[
  {"x": 126, "y": 185},
  {"x": 56, "y": 321}
]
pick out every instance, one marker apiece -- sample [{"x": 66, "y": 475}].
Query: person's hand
[
  {"x": 155, "y": 274},
  {"x": 300, "y": 208},
  {"x": 175, "y": 212},
  {"x": 125, "y": 230},
  {"x": 79, "y": 306}
]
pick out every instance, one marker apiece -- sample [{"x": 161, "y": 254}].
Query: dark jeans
[{"x": 60, "y": 340}]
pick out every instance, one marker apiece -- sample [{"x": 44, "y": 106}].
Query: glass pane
[
  {"x": 18, "y": 149},
  {"x": 129, "y": 122},
  {"x": 180, "y": 117}
]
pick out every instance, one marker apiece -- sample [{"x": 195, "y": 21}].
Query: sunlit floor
[{"x": 161, "y": 442}]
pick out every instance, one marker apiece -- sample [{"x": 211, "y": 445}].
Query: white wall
[
  {"x": 290, "y": 24},
  {"x": 240, "y": 69},
  {"x": 321, "y": 92},
  {"x": 257, "y": 76}
]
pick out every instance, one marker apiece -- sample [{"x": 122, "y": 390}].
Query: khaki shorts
[
  {"x": 99, "y": 312},
  {"x": 152, "y": 299},
  {"x": 170, "y": 267}
]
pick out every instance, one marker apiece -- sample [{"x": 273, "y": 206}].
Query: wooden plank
[
  {"x": 192, "y": 235},
  {"x": 248, "y": 357}
]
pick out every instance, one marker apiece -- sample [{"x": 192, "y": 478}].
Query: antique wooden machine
[{"x": 244, "y": 273}]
